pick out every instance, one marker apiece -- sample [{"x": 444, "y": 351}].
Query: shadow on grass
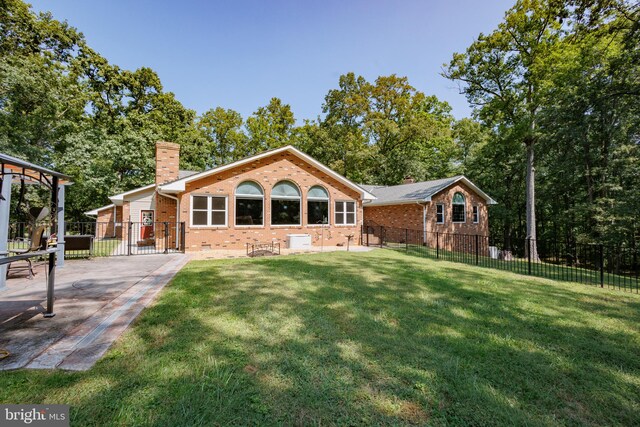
[{"x": 377, "y": 338}]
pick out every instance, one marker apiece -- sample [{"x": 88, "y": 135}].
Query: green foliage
[
  {"x": 563, "y": 78},
  {"x": 269, "y": 127},
  {"x": 560, "y": 80}
]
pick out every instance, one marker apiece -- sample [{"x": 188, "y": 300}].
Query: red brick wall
[
  {"x": 126, "y": 218},
  {"x": 167, "y": 162},
  {"x": 468, "y": 227},
  {"x": 165, "y": 212},
  {"x": 396, "y": 216},
  {"x": 105, "y": 226},
  {"x": 267, "y": 172}
]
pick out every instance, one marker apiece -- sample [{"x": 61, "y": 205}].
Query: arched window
[
  {"x": 285, "y": 204},
  {"x": 317, "y": 206},
  {"x": 458, "y": 213},
  {"x": 249, "y": 204}
]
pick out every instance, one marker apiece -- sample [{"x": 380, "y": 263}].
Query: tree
[
  {"x": 345, "y": 111},
  {"x": 269, "y": 127},
  {"x": 469, "y": 136},
  {"x": 501, "y": 75},
  {"x": 223, "y": 130},
  {"x": 383, "y": 131}
]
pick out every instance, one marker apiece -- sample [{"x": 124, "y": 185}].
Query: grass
[
  {"x": 360, "y": 339},
  {"x": 554, "y": 271}
]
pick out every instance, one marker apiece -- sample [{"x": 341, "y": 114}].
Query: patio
[{"x": 95, "y": 302}]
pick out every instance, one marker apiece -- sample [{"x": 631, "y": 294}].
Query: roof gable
[{"x": 179, "y": 185}]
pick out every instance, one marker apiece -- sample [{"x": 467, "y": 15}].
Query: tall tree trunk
[{"x": 531, "y": 244}]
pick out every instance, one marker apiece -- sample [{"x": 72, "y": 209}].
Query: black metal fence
[
  {"x": 98, "y": 239},
  {"x": 592, "y": 264}
]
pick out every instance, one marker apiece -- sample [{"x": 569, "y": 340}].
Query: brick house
[
  {"x": 263, "y": 198},
  {"x": 259, "y": 199},
  {"x": 444, "y": 206}
]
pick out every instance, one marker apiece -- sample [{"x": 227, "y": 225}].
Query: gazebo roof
[{"x": 10, "y": 164}]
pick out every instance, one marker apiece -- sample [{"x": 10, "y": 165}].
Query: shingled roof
[{"x": 418, "y": 191}]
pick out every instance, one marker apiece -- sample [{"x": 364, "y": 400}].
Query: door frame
[{"x": 153, "y": 223}]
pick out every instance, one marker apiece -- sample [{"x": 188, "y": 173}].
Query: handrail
[{"x": 20, "y": 257}]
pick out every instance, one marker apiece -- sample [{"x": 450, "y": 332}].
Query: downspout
[
  {"x": 424, "y": 220},
  {"x": 177, "y": 216}
]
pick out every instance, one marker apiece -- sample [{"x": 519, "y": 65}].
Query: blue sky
[{"x": 239, "y": 54}]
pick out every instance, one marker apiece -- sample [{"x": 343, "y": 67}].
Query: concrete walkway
[
  {"x": 95, "y": 302},
  {"x": 242, "y": 253}
]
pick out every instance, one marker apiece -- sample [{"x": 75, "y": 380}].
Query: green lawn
[
  {"x": 360, "y": 339},
  {"x": 521, "y": 266}
]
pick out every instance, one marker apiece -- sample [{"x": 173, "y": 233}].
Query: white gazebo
[{"x": 14, "y": 170}]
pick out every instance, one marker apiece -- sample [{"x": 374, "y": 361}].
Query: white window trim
[
  {"x": 344, "y": 213},
  {"x": 248, "y": 196},
  {"x": 298, "y": 198},
  {"x": 319, "y": 199},
  {"x": 235, "y": 206},
  {"x": 475, "y": 211},
  {"x": 439, "y": 204},
  {"x": 209, "y": 225},
  {"x": 464, "y": 210}
]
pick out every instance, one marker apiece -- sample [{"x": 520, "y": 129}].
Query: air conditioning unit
[{"x": 298, "y": 241}]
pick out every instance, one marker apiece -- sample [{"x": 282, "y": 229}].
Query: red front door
[{"x": 146, "y": 225}]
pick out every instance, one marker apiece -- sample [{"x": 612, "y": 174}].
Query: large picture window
[
  {"x": 208, "y": 211},
  {"x": 285, "y": 204},
  {"x": 317, "y": 206},
  {"x": 345, "y": 213},
  {"x": 458, "y": 213},
  {"x": 249, "y": 204}
]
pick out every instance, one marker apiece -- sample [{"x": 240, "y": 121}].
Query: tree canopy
[{"x": 554, "y": 137}]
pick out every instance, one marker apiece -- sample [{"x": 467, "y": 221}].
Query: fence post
[
  {"x": 601, "y": 266},
  {"x": 129, "y": 236},
  {"x": 437, "y": 245},
  {"x": 529, "y": 254},
  {"x": 166, "y": 237},
  {"x": 406, "y": 238},
  {"x": 477, "y": 239}
]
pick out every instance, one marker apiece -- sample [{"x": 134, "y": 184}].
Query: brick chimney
[
  {"x": 167, "y": 162},
  {"x": 408, "y": 180}
]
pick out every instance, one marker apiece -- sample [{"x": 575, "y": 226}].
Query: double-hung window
[
  {"x": 439, "y": 213},
  {"x": 317, "y": 206},
  {"x": 345, "y": 213},
  {"x": 476, "y": 215},
  {"x": 208, "y": 211}
]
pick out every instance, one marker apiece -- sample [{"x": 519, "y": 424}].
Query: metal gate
[{"x": 98, "y": 239}]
